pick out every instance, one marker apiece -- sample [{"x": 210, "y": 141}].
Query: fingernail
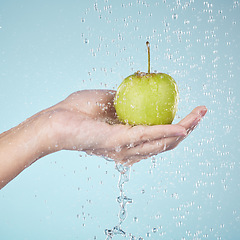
[{"x": 203, "y": 111}]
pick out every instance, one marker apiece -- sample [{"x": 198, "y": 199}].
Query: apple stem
[{"x": 148, "y": 47}]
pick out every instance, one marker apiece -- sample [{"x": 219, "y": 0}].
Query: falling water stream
[{"x": 123, "y": 200}]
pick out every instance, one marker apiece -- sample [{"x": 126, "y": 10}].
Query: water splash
[{"x": 123, "y": 200}]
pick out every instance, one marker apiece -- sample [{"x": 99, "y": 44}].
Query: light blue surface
[{"x": 49, "y": 49}]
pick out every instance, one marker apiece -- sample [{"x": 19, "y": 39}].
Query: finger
[
  {"x": 173, "y": 142},
  {"x": 151, "y": 148},
  {"x": 190, "y": 122},
  {"x": 129, "y": 156},
  {"x": 142, "y": 141},
  {"x": 139, "y": 134},
  {"x": 196, "y": 114},
  {"x": 144, "y": 151},
  {"x": 147, "y": 149}
]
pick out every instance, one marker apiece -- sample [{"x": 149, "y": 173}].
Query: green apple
[{"x": 147, "y": 98}]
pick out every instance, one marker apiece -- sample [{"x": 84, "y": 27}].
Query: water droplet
[
  {"x": 148, "y": 234},
  {"x": 154, "y": 230},
  {"x": 135, "y": 219},
  {"x": 175, "y": 16},
  {"x": 118, "y": 149}
]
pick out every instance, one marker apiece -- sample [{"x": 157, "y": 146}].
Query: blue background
[{"x": 49, "y": 49}]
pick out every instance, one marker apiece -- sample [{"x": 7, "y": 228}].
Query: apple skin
[{"x": 147, "y": 99}]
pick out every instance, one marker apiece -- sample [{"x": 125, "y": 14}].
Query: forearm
[{"x": 22, "y": 145}]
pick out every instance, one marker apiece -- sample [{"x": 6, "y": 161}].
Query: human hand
[{"x": 87, "y": 121}]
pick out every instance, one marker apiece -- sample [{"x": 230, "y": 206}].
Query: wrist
[
  {"x": 22, "y": 145},
  {"x": 46, "y": 140},
  {"x": 35, "y": 137}
]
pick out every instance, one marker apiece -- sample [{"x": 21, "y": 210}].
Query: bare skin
[{"x": 86, "y": 121}]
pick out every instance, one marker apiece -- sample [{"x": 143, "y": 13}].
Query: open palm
[{"x": 87, "y": 121}]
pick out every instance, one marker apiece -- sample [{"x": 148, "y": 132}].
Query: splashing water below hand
[{"x": 123, "y": 200}]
